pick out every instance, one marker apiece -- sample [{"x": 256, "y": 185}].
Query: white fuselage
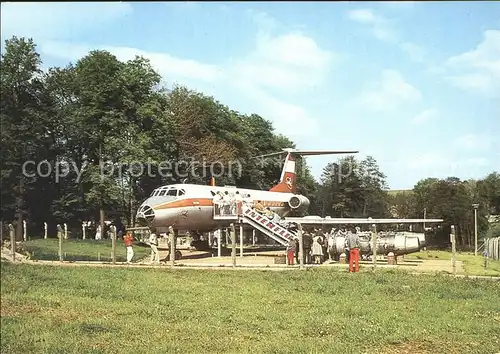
[{"x": 190, "y": 206}]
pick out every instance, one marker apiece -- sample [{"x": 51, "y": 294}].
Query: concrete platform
[{"x": 266, "y": 259}]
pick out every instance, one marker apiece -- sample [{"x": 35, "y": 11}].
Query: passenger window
[
  {"x": 172, "y": 192},
  {"x": 182, "y": 192},
  {"x": 213, "y": 193}
]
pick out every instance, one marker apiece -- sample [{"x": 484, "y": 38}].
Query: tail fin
[{"x": 288, "y": 177}]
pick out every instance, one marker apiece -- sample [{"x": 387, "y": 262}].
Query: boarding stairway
[
  {"x": 267, "y": 226},
  {"x": 242, "y": 213}
]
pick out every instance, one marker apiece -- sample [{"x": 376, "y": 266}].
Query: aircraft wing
[
  {"x": 319, "y": 152},
  {"x": 325, "y": 221},
  {"x": 307, "y": 152}
]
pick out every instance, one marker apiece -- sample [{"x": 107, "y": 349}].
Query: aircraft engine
[
  {"x": 398, "y": 243},
  {"x": 298, "y": 203}
]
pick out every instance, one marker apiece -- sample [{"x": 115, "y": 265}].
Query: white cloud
[
  {"x": 288, "y": 62},
  {"x": 478, "y": 69},
  {"x": 286, "y": 116},
  {"x": 379, "y": 26},
  {"x": 425, "y": 116},
  {"x": 366, "y": 16},
  {"x": 477, "y": 81},
  {"x": 60, "y": 20},
  {"x": 171, "y": 68},
  {"x": 473, "y": 142},
  {"x": 390, "y": 93},
  {"x": 293, "y": 49},
  {"x": 265, "y": 23},
  {"x": 383, "y": 29}
]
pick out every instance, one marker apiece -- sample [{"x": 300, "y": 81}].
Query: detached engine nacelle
[{"x": 298, "y": 203}]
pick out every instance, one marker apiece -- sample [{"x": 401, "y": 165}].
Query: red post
[
  {"x": 354, "y": 260},
  {"x": 291, "y": 255}
]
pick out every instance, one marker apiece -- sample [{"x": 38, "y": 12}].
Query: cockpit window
[
  {"x": 172, "y": 192},
  {"x": 182, "y": 192},
  {"x": 156, "y": 193},
  {"x": 162, "y": 193}
]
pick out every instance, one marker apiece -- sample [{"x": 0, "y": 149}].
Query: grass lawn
[
  {"x": 81, "y": 250},
  {"x": 54, "y": 309},
  {"x": 473, "y": 265}
]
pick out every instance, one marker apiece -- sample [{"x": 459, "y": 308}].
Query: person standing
[
  {"x": 153, "y": 243},
  {"x": 259, "y": 206},
  {"x": 98, "y": 233},
  {"x": 353, "y": 244},
  {"x": 239, "y": 202},
  {"x": 307, "y": 240},
  {"x": 129, "y": 240},
  {"x": 317, "y": 250},
  {"x": 171, "y": 239},
  {"x": 297, "y": 249}
]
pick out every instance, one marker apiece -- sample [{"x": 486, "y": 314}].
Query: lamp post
[{"x": 475, "y": 206}]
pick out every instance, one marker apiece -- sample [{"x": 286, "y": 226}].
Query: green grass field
[
  {"x": 81, "y": 250},
  {"x": 473, "y": 265},
  {"x": 56, "y": 309}
]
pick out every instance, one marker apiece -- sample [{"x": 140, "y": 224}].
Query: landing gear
[{"x": 199, "y": 243}]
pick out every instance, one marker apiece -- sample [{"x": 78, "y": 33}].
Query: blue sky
[{"x": 416, "y": 85}]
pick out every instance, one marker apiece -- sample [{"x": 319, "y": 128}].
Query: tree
[
  {"x": 489, "y": 190},
  {"x": 351, "y": 188},
  {"x": 451, "y": 199},
  {"x": 108, "y": 126},
  {"x": 205, "y": 133},
  {"x": 402, "y": 205},
  {"x": 341, "y": 187},
  {"x": 374, "y": 185},
  {"x": 22, "y": 119}
]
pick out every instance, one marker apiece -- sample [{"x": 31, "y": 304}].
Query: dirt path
[{"x": 258, "y": 261}]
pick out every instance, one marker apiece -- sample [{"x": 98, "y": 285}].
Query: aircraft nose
[{"x": 146, "y": 213}]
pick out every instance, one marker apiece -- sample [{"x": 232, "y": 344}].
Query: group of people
[
  {"x": 95, "y": 227},
  {"x": 271, "y": 215},
  {"x": 318, "y": 246},
  {"x": 226, "y": 203},
  {"x": 128, "y": 238}
]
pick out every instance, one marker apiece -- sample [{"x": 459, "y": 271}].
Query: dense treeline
[
  {"x": 452, "y": 200},
  {"x": 91, "y": 140}
]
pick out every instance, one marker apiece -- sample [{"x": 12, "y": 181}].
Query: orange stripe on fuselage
[
  {"x": 185, "y": 203},
  {"x": 189, "y": 202}
]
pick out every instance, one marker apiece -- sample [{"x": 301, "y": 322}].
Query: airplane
[{"x": 188, "y": 207}]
